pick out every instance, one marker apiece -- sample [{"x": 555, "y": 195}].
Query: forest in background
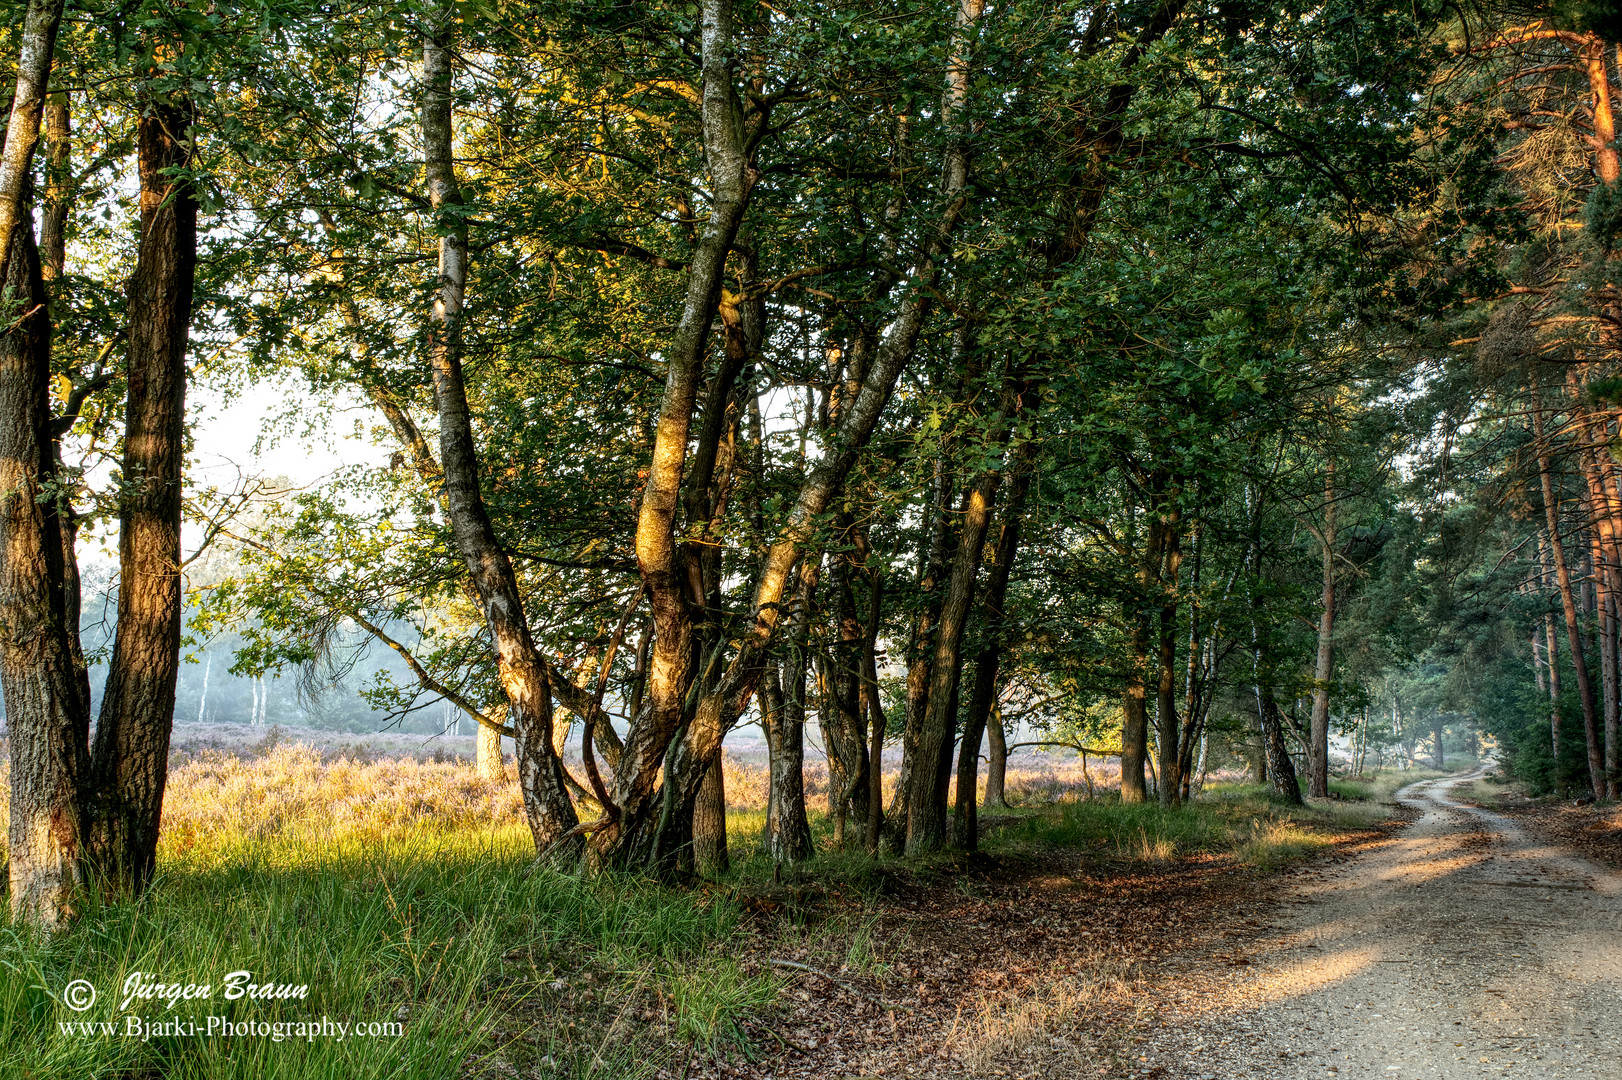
[{"x": 1161, "y": 375}]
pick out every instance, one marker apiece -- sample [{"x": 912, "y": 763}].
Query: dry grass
[
  {"x": 292, "y": 793},
  {"x": 276, "y": 790},
  {"x": 215, "y": 802},
  {"x": 1053, "y": 1020}
]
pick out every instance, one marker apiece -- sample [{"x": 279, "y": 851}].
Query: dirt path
[{"x": 1461, "y": 948}]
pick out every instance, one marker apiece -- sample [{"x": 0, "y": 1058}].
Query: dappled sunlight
[
  {"x": 1431, "y": 869},
  {"x": 1281, "y": 974}
]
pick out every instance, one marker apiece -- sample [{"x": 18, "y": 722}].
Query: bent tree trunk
[
  {"x": 131, "y": 752},
  {"x": 634, "y": 842},
  {"x": 1285, "y": 783},
  {"x": 487, "y": 748},
  {"x": 523, "y": 675}
]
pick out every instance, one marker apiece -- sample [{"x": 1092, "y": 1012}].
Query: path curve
[{"x": 1461, "y": 948}]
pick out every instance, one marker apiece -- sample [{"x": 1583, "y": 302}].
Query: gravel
[{"x": 1461, "y": 948}]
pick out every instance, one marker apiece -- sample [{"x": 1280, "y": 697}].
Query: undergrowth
[{"x": 1243, "y": 821}]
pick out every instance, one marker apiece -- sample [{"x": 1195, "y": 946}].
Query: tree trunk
[
  {"x": 873, "y": 704},
  {"x": 1269, "y": 721},
  {"x": 1606, "y": 164},
  {"x": 659, "y": 557},
  {"x": 932, "y": 571},
  {"x": 1193, "y": 730},
  {"x": 842, "y": 729},
  {"x": 983, "y": 699},
  {"x": 59, "y": 184},
  {"x": 770, "y": 705},
  {"x": 710, "y": 824},
  {"x": 1605, "y": 630},
  {"x": 718, "y": 709},
  {"x": 788, "y": 833},
  {"x": 1537, "y": 661},
  {"x": 1610, "y": 474},
  {"x": 45, "y": 717},
  {"x": 130, "y": 755},
  {"x": 789, "y": 830},
  {"x": 1135, "y": 712},
  {"x": 487, "y": 752},
  {"x": 202, "y": 698},
  {"x": 36, "y": 50},
  {"x": 1258, "y": 765},
  {"x": 1604, "y": 511},
  {"x": 58, "y": 187},
  {"x": 1323, "y": 671},
  {"x": 931, "y": 773},
  {"x": 1562, "y": 574},
  {"x": 1441, "y": 754},
  {"x": 1551, "y": 650},
  {"x": 523, "y": 674},
  {"x": 791, "y": 834},
  {"x": 840, "y": 778},
  {"x": 996, "y": 759},
  {"x": 1135, "y": 701},
  {"x": 925, "y": 779},
  {"x": 1613, "y": 774},
  {"x": 1285, "y": 783},
  {"x": 1168, "y": 728}
]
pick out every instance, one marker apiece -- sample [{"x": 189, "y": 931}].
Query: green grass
[
  {"x": 489, "y": 967},
  {"x": 1382, "y": 785},
  {"x": 1241, "y": 821}
]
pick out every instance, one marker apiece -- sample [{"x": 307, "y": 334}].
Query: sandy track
[{"x": 1461, "y": 948}]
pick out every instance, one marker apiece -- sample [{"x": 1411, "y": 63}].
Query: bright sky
[{"x": 250, "y": 434}]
